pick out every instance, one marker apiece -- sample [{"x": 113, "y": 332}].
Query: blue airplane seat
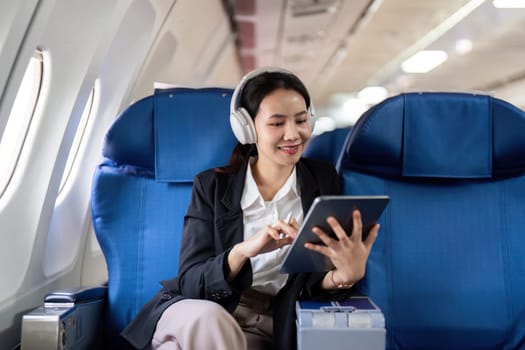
[
  {"x": 448, "y": 266},
  {"x": 142, "y": 189},
  {"x": 328, "y": 145}
]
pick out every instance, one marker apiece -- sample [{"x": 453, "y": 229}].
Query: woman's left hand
[{"x": 347, "y": 253}]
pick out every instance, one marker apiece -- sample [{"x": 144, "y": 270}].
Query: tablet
[{"x": 300, "y": 259}]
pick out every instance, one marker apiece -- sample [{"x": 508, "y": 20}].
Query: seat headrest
[
  {"x": 177, "y": 133},
  {"x": 328, "y": 145},
  {"x": 440, "y": 135}
]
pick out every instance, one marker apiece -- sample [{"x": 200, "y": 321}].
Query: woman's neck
[{"x": 270, "y": 179}]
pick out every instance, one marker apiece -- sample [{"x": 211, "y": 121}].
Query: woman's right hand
[{"x": 269, "y": 238}]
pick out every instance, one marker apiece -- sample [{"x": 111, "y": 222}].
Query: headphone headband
[
  {"x": 247, "y": 77},
  {"x": 241, "y": 122}
]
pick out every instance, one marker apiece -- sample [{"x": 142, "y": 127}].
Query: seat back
[
  {"x": 142, "y": 189},
  {"x": 448, "y": 266},
  {"x": 328, "y": 145}
]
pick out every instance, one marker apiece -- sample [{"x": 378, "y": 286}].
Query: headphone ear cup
[
  {"x": 242, "y": 126},
  {"x": 312, "y": 122},
  {"x": 311, "y": 114}
]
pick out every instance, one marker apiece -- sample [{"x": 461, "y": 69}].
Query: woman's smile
[{"x": 290, "y": 149}]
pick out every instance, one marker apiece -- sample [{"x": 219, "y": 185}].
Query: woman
[{"x": 229, "y": 293}]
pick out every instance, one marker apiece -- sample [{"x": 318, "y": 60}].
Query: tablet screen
[{"x": 300, "y": 259}]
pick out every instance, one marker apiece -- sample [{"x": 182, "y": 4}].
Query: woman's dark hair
[{"x": 251, "y": 96}]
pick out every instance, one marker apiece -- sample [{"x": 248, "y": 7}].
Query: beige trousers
[{"x": 193, "y": 324}]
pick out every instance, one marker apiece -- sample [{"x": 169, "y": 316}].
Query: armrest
[
  {"x": 75, "y": 296},
  {"x": 69, "y": 319}
]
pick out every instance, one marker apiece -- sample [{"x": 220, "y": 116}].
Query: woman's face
[{"x": 283, "y": 128}]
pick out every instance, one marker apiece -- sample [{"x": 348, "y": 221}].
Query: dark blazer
[{"x": 212, "y": 226}]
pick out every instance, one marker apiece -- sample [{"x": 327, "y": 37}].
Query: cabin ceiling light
[
  {"x": 463, "y": 46},
  {"x": 372, "y": 94},
  {"x": 353, "y": 108},
  {"x": 509, "y": 4},
  {"x": 424, "y": 61},
  {"x": 324, "y": 124}
]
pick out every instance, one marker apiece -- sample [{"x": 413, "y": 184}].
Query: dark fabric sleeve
[{"x": 203, "y": 258}]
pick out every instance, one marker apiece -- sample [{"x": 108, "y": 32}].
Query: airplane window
[
  {"x": 88, "y": 108},
  {"x": 20, "y": 117}
]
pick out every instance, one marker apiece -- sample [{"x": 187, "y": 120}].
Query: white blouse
[{"x": 258, "y": 213}]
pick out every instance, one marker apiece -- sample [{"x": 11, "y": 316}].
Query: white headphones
[{"x": 241, "y": 122}]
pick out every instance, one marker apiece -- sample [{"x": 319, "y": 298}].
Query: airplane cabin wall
[
  {"x": 70, "y": 39},
  {"x": 113, "y": 50}
]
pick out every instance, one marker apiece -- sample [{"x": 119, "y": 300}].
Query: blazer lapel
[
  {"x": 230, "y": 221},
  {"x": 308, "y": 186}
]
